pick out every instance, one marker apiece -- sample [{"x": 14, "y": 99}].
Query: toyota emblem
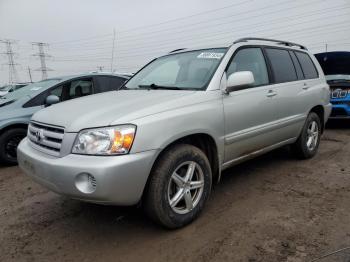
[{"x": 39, "y": 135}]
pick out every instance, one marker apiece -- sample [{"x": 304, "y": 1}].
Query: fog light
[{"x": 85, "y": 183}]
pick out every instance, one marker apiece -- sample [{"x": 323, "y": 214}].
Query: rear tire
[
  {"x": 309, "y": 140},
  {"x": 9, "y": 141},
  {"x": 179, "y": 186}
]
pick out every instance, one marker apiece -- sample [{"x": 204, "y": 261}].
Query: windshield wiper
[{"x": 155, "y": 86}]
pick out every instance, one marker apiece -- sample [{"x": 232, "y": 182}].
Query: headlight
[{"x": 115, "y": 140}]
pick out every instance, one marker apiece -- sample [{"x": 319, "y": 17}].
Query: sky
[{"x": 80, "y": 33}]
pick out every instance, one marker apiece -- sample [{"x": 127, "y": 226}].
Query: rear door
[
  {"x": 314, "y": 90},
  {"x": 288, "y": 80},
  {"x": 249, "y": 113}
]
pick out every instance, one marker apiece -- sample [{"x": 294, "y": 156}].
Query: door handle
[
  {"x": 305, "y": 86},
  {"x": 271, "y": 93}
]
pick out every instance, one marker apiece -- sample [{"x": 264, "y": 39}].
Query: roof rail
[
  {"x": 176, "y": 50},
  {"x": 280, "y": 42}
]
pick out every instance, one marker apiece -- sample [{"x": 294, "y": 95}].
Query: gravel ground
[{"x": 273, "y": 208}]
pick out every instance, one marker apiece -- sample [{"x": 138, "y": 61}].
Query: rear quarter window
[
  {"x": 116, "y": 82},
  {"x": 307, "y": 65},
  {"x": 282, "y": 65},
  {"x": 109, "y": 83}
]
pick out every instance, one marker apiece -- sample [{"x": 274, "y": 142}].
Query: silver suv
[{"x": 165, "y": 138}]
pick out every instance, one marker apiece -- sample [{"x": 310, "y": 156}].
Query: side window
[
  {"x": 282, "y": 65},
  {"x": 38, "y": 100},
  {"x": 116, "y": 82},
  {"x": 307, "y": 65},
  {"x": 57, "y": 91},
  {"x": 250, "y": 59},
  {"x": 103, "y": 83},
  {"x": 78, "y": 88},
  {"x": 297, "y": 65}
]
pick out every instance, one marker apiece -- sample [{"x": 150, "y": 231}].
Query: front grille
[
  {"x": 340, "y": 102},
  {"x": 338, "y": 112},
  {"x": 46, "y": 138},
  {"x": 339, "y": 93}
]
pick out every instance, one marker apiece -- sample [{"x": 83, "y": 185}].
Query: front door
[{"x": 250, "y": 114}]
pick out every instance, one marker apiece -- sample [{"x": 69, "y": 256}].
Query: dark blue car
[{"x": 336, "y": 67}]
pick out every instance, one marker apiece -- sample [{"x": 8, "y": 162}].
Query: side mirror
[
  {"x": 239, "y": 80},
  {"x": 51, "y": 99}
]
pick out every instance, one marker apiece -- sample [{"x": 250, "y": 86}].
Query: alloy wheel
[
  {"x": 312, "y": 135},
  {"x": 185, "y": 187}
]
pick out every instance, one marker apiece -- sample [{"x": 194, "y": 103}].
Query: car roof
[
  {"x": 247, "y": 41},
  {"x": 67, "y": 77}
]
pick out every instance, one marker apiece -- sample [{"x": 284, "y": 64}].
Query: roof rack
[
  {"x": 176, "y": 50},
  {"x": 280, "y": 42}
]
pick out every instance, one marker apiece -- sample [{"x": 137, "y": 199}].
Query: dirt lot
[{"x": 273, "y": 208}]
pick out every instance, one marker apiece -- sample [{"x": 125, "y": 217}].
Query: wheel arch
[
  {"x": 319, "y": 110},
  {"x": 205, "y": 142},
  {"x": 14, "y": 125}
]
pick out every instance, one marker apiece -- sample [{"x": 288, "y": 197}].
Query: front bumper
[
  {"x": 340, "y": 109},
  {"x": 120, "y": 180}
]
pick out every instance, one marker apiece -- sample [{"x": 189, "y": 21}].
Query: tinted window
[
  {"x": 282, "y": 65},
  {"x": 103, "y": 83},
  {"x": 109, "y": 83},
  {"x": 116, "y": 82},
  {"x": 297, "y": 65},
  {"x": 250, "y": 59},
  {"x": 37, "y": 100},
  {"x": 79, "y": 88},
  {"x": 307, "y": 65},
  {"x": 57, "y": 91}
]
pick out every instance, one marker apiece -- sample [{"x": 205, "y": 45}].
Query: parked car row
[
  {"x": 165, "y": 137},
  {"x": 16, "y": 108}
]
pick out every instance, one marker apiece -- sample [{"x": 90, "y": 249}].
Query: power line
[
  {"x": 42, "y": 55},
  {"x": 112, "y": 58},
  {"x": 189, "y": 27},
  {"x": 199, "y": 38},
  {"x": 308, "y": 14},
  {"x": 13, "y": 76},
  {"x": 187, "y": 17},
  {"x": 82, "y": 39}
]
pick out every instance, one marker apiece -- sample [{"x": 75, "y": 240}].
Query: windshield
[
  {"x": 32, "y": 88},
  {"x": 186, "y": 71}
]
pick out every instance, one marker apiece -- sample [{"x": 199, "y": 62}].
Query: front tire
[
  {"x": 309, "y": 140},
  {"x": 9, "y": 141},
  {"x": 179, "y": 186}
]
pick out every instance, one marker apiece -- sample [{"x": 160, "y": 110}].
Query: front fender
[
  {"x": 160, "y": 130},
  {"x": 14, "y": 121}
]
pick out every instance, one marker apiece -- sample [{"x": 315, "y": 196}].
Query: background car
[
  {"x": 336, "y": 67},
  {"x": 17, "y": 108},
  {"x": 11, "y": 88}
]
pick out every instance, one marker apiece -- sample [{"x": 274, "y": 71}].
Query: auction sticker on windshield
[{"x": 208, "y": 55}]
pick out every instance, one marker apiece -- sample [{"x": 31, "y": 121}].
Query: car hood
[{"x": 113, "y": 108}]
